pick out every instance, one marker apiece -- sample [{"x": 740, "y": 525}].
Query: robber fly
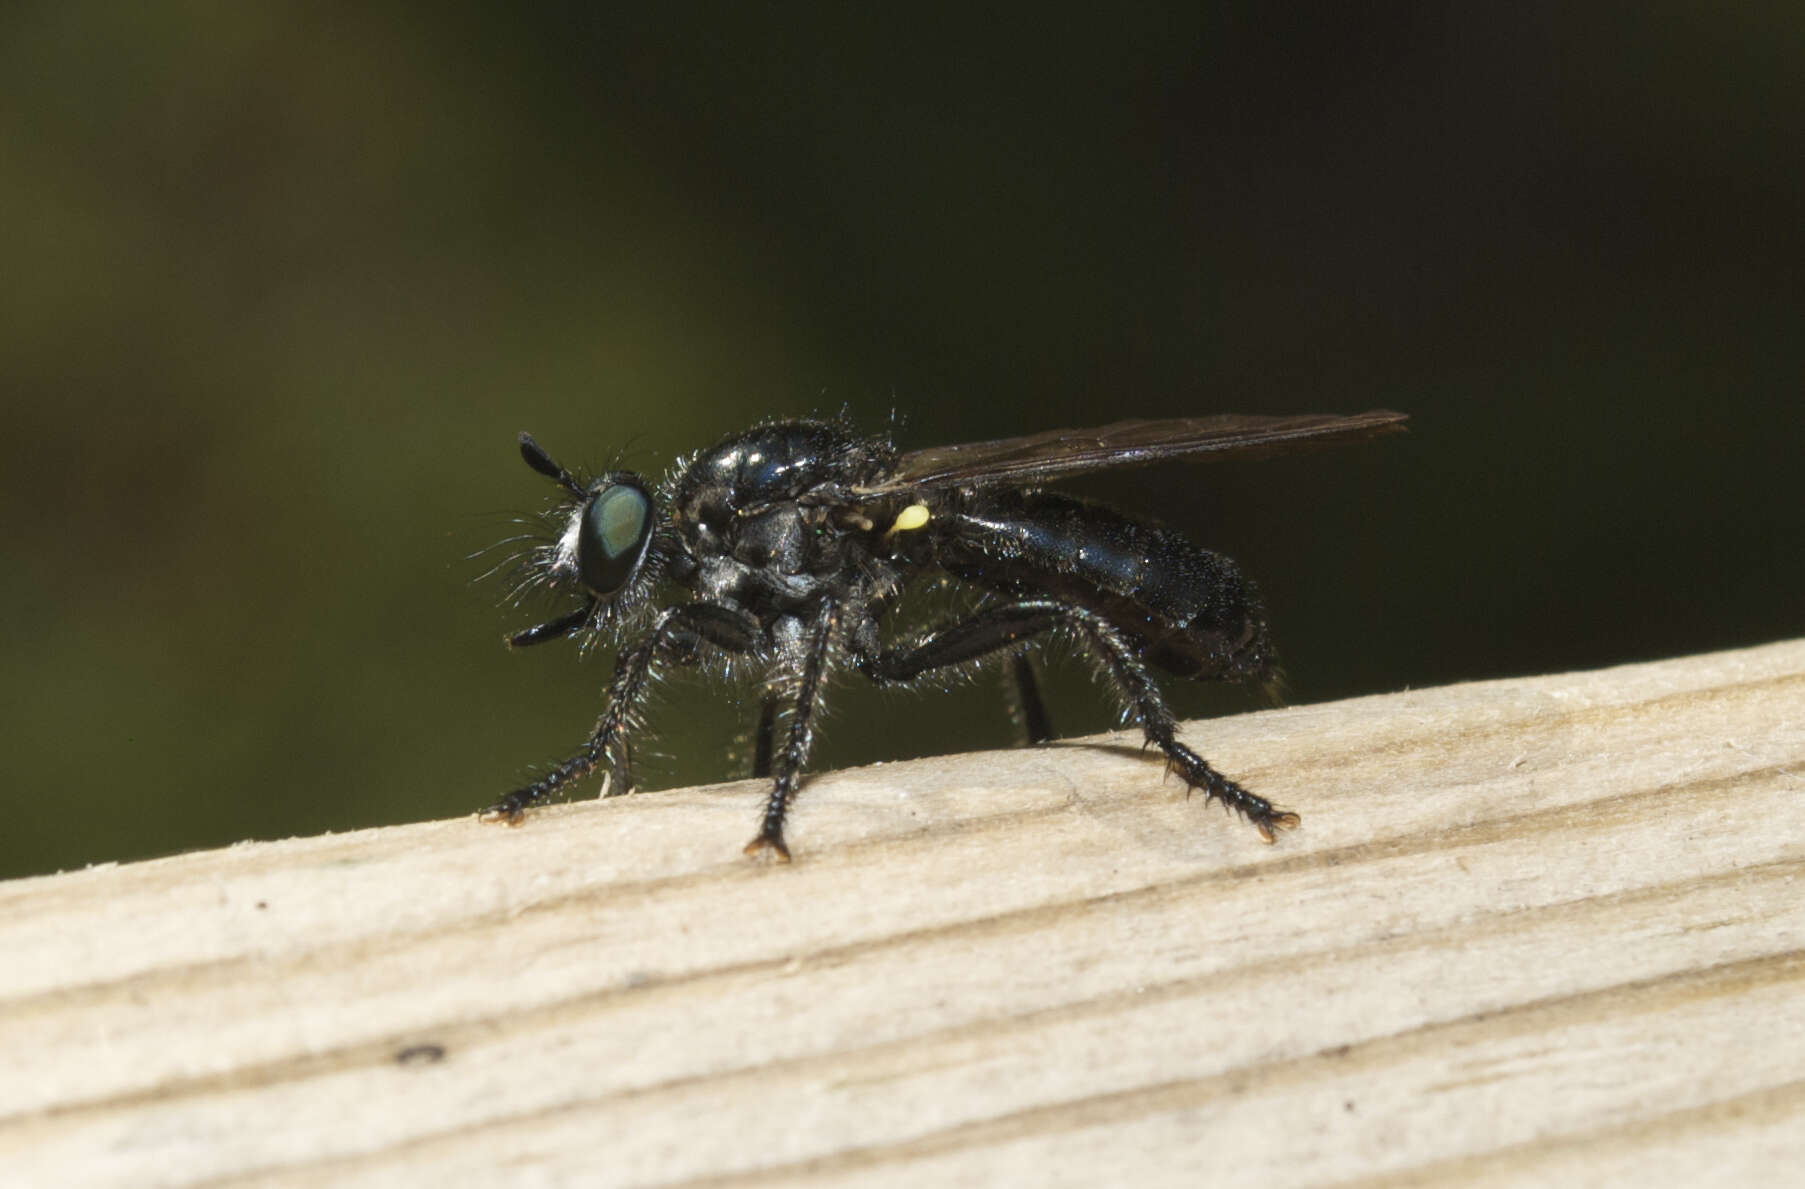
[{"x": 794, "y": 540}]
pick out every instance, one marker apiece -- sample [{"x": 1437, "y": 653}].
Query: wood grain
[{"x": 1534, "y": 931}]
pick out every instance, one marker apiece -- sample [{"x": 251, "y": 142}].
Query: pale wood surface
[{"x": 1547, "y": 931}]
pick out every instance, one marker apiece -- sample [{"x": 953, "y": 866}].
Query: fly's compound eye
[{"x": 616, "y": 528}]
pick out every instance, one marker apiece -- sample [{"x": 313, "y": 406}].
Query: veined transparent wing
[{"x": 1058, "y": 454}]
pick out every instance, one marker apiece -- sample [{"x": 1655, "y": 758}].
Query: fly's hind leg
[
  {"x": 1027, "y": 707},
  {"x": 1006, "y": 626}
]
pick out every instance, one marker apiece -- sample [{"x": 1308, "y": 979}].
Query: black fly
[{"x": 794, "y": 539}]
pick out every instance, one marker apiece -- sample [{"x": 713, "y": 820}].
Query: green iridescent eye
[{"x": 616, "y": 526}]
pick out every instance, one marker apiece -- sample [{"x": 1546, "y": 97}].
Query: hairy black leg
[
  {"x": 1000, "y": 627},
  {"x": 562, "y": 626},
  {"x": 619, "y": 780},
  {"x": 675, "y": 636},
  {"x": 1030, "y": 709},
  {"x": 788, "y": 762},
  {"x": 762, "y": 737}
]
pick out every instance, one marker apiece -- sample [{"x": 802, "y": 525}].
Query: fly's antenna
[{"x": 540, "y": 461}]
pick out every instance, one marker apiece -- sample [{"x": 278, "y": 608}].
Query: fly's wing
[{"x": 1059, "y": 453}]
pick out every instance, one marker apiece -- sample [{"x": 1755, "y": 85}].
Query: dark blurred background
[{"x": 283, "y": 281}]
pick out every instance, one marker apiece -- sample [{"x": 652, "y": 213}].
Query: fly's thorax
[
  {"x": 784, "y": 537},
  {"x": 768, "y": 465},
  {"x": 782, "y": 559}
]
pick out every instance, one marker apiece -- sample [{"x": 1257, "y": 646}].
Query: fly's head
[{"x": 606, "y": 552}]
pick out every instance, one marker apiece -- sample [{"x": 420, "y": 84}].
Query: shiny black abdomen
[{"x": 1188, "y": 610}]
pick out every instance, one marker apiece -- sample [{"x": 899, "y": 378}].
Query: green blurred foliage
[{"x": 284, "y": 281}]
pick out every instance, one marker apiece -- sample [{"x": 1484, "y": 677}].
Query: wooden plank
[{"x": 1544, "y": 930}]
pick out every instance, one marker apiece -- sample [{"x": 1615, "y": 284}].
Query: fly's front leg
[
  {"x": 1002, "y": 627},
  {"x": 675, "y": 636},
  {"x": 787, "y": 763}
]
